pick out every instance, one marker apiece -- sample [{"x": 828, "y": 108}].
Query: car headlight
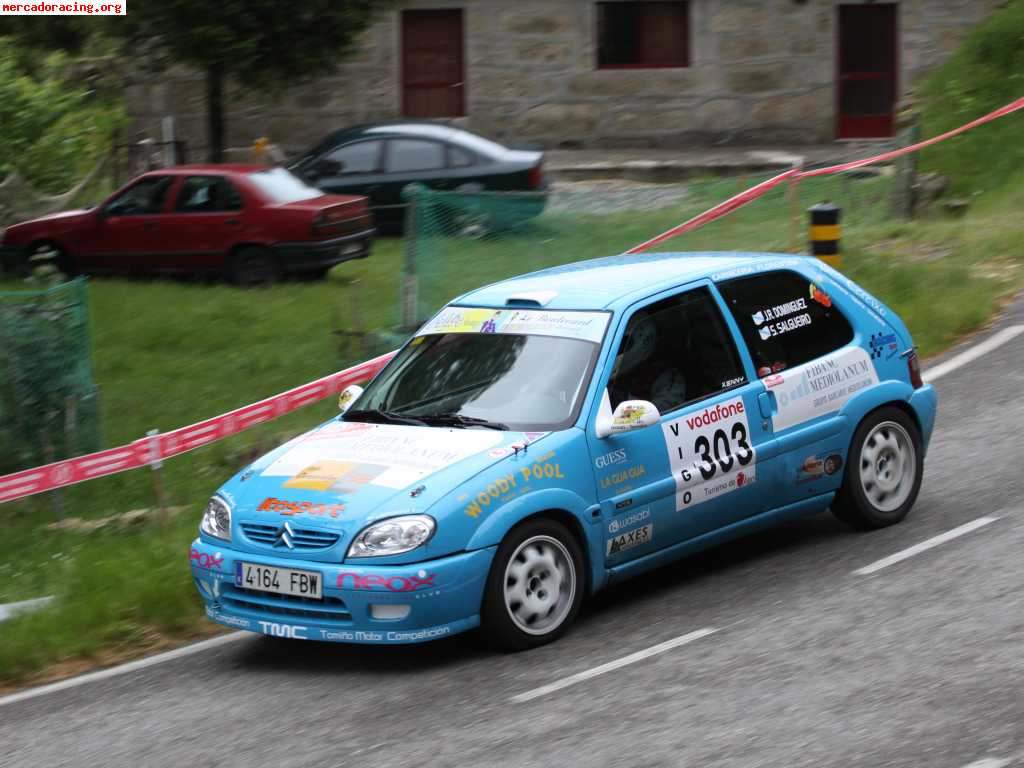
[
  {"x": 217, "y": 519},
  {"x": 392, "y": 536}
]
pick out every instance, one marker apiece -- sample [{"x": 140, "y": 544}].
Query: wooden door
[
  {"x": 868, "y": 70},
  {"x": 433, "y": 77}
]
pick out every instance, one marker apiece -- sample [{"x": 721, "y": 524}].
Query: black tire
[
  {"x": 254, "y": 265},
  {"x": 47, "y": 254},
  {"x": 869, "y": 498},
  {"x": 527, "y": 545}
]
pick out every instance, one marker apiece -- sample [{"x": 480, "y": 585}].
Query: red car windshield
[{"x": 282, "y": 186}]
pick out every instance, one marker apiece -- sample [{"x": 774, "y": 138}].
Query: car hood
[
  {"x": 52, "y": 217},
  {"x": 343, "y": 475}
]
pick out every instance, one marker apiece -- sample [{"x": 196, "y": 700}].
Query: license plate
[{"x": 281, "y": 581}]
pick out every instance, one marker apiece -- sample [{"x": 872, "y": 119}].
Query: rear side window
[
  {"x": 407, "y": 155},
  {"x": 207, "y": 194},
  {"x": 459, "y": 158},
  {"x": 785, "y": 319}
]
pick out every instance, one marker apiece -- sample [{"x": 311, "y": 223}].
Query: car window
[
  {"x": 361, "y": 157},
  {"x": 207, "y": 194},
  {"x": 405, "y": 155},
  {"x": 282, "y": 186},
  {"x": 145, "y": 198},
  {"x": 459, "y": 158},
  {"x": 785, "y": 319},
  {"x": 674, "y": 352}
]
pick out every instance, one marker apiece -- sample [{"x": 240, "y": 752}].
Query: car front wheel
[
  {"x": 535, "y": 587},
  {"x": 883, "y": 474}
]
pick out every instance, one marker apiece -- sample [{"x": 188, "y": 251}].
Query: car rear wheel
[
  {"x": 883, "y": 474},
  {"x": 254, "y": 265},
  {"x": 535, "y": 587}
]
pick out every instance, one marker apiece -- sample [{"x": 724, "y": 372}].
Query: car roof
[
  {"x": 615, "y": 282},
  {"x": 417, "y": 128},
  {"x": 208, "y": 168}
]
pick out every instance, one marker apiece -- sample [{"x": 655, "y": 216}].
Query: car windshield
[
  {"x": 283, "y": 186},
  {"x": 501, "y": 381}
]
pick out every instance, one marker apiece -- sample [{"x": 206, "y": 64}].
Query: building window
[{"x": 638, "y": 35}]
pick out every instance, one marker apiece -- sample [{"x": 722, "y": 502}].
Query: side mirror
[
  {"x": 327, "y": 168},
  {"x": 629, "y": 415},
  {"x": 348, "y": 396}
]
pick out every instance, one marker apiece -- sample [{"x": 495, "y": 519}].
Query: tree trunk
[{"x": 215, "y": 112}]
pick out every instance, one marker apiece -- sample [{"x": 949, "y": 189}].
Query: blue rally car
[{"x": 545, "y": 436}]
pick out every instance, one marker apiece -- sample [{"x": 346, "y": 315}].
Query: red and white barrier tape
[
  {"x": 147, "y": 450},
  {"x": 795, "y": 174},
  {"x": 151, "y": 449}
]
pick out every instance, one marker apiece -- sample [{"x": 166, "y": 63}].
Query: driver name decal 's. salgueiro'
[{"x": 710, "y": 452}]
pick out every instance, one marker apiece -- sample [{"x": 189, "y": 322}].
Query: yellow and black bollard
[{"x": 825, "y": 232}]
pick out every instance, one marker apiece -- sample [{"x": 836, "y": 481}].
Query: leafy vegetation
[
  {"x": 54, "y": 130},
  {"x": 985, "y": 73}
]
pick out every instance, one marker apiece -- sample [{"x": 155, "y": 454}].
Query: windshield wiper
[
  {"x": 372, "y": 415},
  {"x": 452, "y": 419}
]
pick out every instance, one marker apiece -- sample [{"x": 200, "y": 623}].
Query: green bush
[
  {"x": 53, "y": 131},
  {"x": 986, "y": 72}
]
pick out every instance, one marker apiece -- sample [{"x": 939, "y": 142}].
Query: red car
[{"x": 251, "y": 223}]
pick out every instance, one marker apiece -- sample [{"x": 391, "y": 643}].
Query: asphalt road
[{"x": 917, "y": 664}]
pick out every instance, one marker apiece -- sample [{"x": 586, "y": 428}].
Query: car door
[
  {"x": 704, "y": 465},
  {"x": 204, "y": 222},
  {"x": 130, "y": 227},
  {"x": 800, "y": 343},
  {"x": 352, "y": 169},
  {"x": 409, "y": 160}
]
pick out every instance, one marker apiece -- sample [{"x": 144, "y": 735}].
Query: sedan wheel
[
  {"x": 49, "y": 257},
  {"x": 253, "y": 265},
  {"x": 535, "y": 587}
]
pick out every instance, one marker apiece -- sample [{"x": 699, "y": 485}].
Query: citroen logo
[{"x": 284, "y": 536}]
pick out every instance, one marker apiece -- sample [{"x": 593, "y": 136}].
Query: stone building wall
[{"x": 762, "y": 71}]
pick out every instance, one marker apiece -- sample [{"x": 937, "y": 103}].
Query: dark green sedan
[{"x": 381, "y": 159}]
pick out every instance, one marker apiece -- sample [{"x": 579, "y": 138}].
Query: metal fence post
[{"x": 410, "y": 284}]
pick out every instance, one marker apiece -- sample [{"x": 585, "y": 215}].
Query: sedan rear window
[{"x": 282, "y": 186}]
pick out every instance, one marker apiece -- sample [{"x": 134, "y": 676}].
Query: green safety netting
[{"x": 49, "y": 404}]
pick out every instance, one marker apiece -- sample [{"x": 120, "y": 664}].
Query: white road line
[
  {"x": 957, "y": 361},
  {"x": 989, "y": 762},
  {"x": 917, "y": 549},
  {"x": 579, "y": 677},
  {"x": 124, "y": 669}
]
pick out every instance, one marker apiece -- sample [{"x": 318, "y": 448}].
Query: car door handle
[
  {"x": 149, "y": 225},
  {"x": 768, "y": 404},
  {"x": 232, "y": 222}
]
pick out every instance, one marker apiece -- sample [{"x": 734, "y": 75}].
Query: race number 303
[{"x": 710, "y": 452}]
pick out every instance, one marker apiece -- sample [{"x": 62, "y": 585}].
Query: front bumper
[
  {"x": 322, "y": 254},
  {"x": 443, "y": 597}
]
